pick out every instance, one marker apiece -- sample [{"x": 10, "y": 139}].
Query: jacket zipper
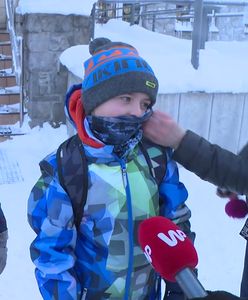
[
  {"x": 130, "y": 229},
  {"x": 84, "y": 294}
]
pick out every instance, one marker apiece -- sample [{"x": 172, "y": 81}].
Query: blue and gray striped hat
[{"x": 114, "y": 69}]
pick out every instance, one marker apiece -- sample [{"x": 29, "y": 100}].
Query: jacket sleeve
[
  {"x": 171, "y": 190},
  {"x": 52, "y": 251},
  {"x": 213, "y": 163},
  {"x": 3, "y": 241},
  {"x": 244, "y": 152},
  {"x": 3, "y": 249}
]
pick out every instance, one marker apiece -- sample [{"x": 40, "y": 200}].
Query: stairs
[{"x": 10, "y": 97}]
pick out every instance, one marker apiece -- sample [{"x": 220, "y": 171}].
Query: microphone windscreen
[{"x": 166, "y": 247}]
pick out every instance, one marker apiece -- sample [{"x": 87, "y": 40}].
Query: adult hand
[
  {"x": 220, "y": 295},
  {"x": 163, "y": 130},
  {"x": 224, "y": 193}
]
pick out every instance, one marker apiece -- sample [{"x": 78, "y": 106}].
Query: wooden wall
[{"x": 221, "y": 118}]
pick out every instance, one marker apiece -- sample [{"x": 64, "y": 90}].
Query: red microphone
[{"x": 171, "y": 253}]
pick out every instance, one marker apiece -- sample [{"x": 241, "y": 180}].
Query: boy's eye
[
  {"x": 146, "y": 105},
  {"x": 125, "y": 98}
]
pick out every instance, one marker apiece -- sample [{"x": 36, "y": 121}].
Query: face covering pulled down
[{"x": 117, "y": 130}]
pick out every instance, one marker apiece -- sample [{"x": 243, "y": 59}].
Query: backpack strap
[
  {"x": 73, "y": 174},
  {"x": 156, "y": 158}
]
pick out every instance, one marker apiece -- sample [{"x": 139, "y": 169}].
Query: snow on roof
[
  {"x": 64, "y": 7},
  {"x": 222, "y": 66}
]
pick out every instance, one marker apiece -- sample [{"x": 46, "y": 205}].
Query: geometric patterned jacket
[{"x": 102, "y": 258}]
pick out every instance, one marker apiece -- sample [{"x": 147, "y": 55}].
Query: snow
[
  {"x": 17, "y": 280},
  {"x": 76, "y": 7},
  {"x": 170, "y": 58},
  {"x": 222, "y": 69},
  {"x": 10, "y": 89}
]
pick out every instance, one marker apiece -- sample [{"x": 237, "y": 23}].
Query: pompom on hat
[
  {"x": 115, "y": 68},
  {"x": 236, "y": 208}
]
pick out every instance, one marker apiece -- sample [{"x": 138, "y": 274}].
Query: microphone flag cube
[{"x": 166, "y": 247}]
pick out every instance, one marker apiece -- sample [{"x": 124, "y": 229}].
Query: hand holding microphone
[
  {"x": 171, "y": 253},
  {"x": 220, "y": 295}
]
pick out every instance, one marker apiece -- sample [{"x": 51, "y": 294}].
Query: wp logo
[{"x": 173, "y": 237}]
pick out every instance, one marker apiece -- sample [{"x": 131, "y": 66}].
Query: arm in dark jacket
[
  {"x": 3, "y": 241},
  {"x": 220, "y": 295},
  {"x": 244, "y": 152},
  {"x": 213, "y": 163}
]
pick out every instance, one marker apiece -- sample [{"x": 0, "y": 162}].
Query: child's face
[{"x": 135, "y": 104}]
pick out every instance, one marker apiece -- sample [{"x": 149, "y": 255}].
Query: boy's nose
[{"x": 137, "y": 110}]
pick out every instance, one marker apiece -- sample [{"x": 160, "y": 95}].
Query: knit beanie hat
[{"x": 114, "y": 69}]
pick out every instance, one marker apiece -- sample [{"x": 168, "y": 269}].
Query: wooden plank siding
[{"x": 221, "y": 118}]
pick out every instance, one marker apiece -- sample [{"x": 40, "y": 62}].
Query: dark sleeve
[
  {"x": 3, "y": 241},
  {"x": 3, "y": 224},
  {"x": 220, "y": 295},
  {"x": 213, "y": 163},
  {"x": 3, "y": 249},
  {"x": 244, "y": 152}
]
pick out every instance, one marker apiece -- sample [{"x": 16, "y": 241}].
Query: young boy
[{"x": 102, "y": 259}]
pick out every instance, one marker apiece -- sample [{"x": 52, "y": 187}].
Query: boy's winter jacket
[
  {"x": 3, "y": 241},
  {"x": 102, "y": 260}
]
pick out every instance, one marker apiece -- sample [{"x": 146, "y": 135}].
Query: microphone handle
[{"x": 190, "y": 285}]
